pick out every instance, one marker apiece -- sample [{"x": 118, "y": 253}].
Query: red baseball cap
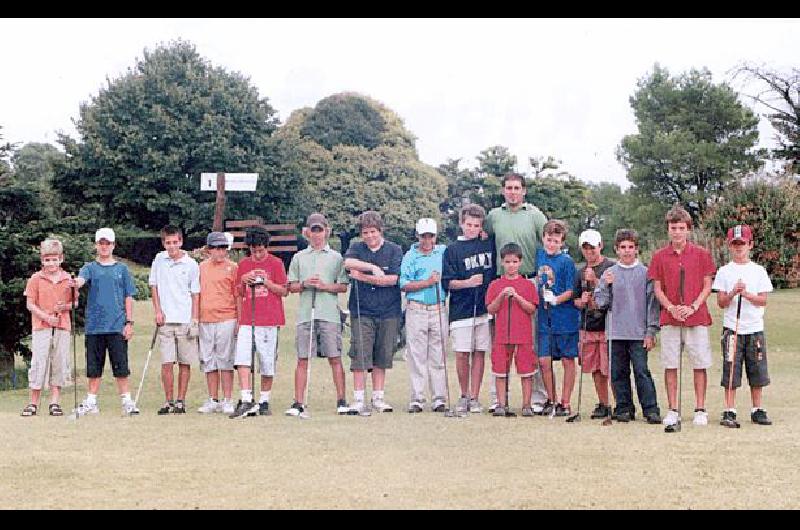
[{"x": 740, "y": 233}]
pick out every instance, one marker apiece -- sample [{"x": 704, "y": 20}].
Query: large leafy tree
[
  {"x": 148, "y": 134},
  {"x": 694, "y": 137}
]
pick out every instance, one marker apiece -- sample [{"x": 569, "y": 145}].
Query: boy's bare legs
[
  {"x": 212, "y": 381},
  {"x": 227, "y": 383},
  {"x": 244, "y": 377},
  {"x": 569, "y": 380},
  {"x": 601, "y": 386},
  {"x": 378, "y": 379},
  {"x": 477, "y": 373},
  {"x": 300, "y": 380},
  {"x": 755, "y": 394},
  {"x": 337, "y": 370},
  {"x": 527, "y": 391},
  {"x": 547, "y": 377},
  {"x": 463, "y": 372},
  {"x": 122, "y": 385},
  {"x": 671, "y": 383},
  {"x": 500, "y": 385},
  {"x": 94, "y": 385},
  {"x": 184, "y": 374},
  {"x": 700, "y": 385},
  {"x": 167, "y": 380},
  {"x": 266, "y": 383}
]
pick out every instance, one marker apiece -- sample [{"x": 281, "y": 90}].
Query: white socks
[
  {"x": 358, "y": 395},
  {"x": 264, "y": 397},
  {"x": 247, "y": 396}
]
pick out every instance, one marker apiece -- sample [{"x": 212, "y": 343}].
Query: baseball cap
[
  {"x": 740, "y": 233},
  {"x": 104, "y": 233},
  {"x": 216, "y": 239},
  {"x": 590, "y": 236},
  {"x": 426, "y": 225},
  {"x": 316, "y": 219}
]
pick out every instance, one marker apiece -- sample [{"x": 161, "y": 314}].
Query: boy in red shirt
[{"x": 513, "y": 333}]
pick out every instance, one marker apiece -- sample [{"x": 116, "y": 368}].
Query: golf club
[
  {"x": 733, "y": 349},
  {"x": 610, "y": 323},
  {"x": 253, "y": 408},
  {"x": 146, "y": 364},
  {"x": 677, "y": 426},
  {"x": 365, "y": 411},
  {"x": 471, "y": 356},
  {"x": 448, "y": 412},
  {"x": 75, "y": 296},
  {"x": 311, "y": 340},
  {"x": 509, "y": 413},
  {"x": 545, "y": 281},
  {"x": 577, "y": 415}
]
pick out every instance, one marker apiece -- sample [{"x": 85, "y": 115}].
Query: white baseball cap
[
  {"x": 590, "y": 236},
  {"x": 426, "y": 225},
  {"x": 104, "y": 233}
]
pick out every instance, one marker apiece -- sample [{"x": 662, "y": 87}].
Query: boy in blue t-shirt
[
  {"x": 109, "y": 321},
  {"x": 558, "y": 320}
]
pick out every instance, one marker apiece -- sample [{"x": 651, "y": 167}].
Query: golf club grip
[{"x": 682, "y": 284}]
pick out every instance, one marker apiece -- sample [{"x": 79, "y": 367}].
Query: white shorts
[
  {"x": 462, "y": 338},
  {"x": 266, "y": 346},
  {"x": 697, "y": 345},
  {"x": 217, "y": 345}
]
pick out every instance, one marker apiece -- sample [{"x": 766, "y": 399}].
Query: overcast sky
[{"x": 539, "y": 87}]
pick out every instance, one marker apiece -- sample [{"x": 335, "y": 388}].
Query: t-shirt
[
  {"x": 523, "y": 227},
  {"x": 377, "y": 301},
  {"x": 217, "y": 291},
  {"x": 756, "y": 280},
  {"x": 592, "y": 319},
  {"x": 417, "y": 266},
  {"x": 109, "y": 286},
  {"x": 329, "y": 265},
  {"x": 45, "y": 293},
  {"x": 559, "y": 271},
  {"x": 176, "y": 280},
  {"x": 665, "y": 267},
  {"x": 461, "y": 260},
  {"x": 269, "y": 306},
  {"x": 521, "y": 324}
]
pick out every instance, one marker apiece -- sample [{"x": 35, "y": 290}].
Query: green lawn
[{"x": 401, "y": 460}]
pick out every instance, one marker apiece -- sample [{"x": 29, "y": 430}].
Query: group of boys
[{"x": 227, "y": 314}]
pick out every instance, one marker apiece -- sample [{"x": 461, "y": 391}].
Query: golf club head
[
  {"x": 552, "y": 414},
  {"x": 673, "y": 428},
  {"x": 304, "y": 415},
  {"x": 450, "y": 413},
  {"x": 607, "y": 422},
  {"x": 573, "y": 419}
]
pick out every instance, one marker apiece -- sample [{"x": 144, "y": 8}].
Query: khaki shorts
[
  {"x": 48, "y": 364},
  {"x": 462, "y": 338},
  {"x": 327, "y": 334},
  {"x": 696, "y": 344},
  {"x": 217, "y": 345},
  {"x": 174, "y": 337}
]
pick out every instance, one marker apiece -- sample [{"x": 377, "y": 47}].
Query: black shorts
[
  {"x": 96, "y": 347},
  {"x": 752, "y": 348}
]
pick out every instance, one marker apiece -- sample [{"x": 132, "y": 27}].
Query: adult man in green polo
[{"x": 516, "y": 221}]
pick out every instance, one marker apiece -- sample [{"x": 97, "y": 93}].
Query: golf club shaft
[
  {"x": 734, "y": 352},
  {"x": 74, "y": 343},
  {"x": 311, "y": 341},
  {"x": 253, "y": 340},
  {"x": 146, "y": 364}
]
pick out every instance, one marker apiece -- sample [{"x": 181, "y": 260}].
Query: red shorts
[
  {"x": 525, "y": 359},
  {"x": 594, "y": 352}
]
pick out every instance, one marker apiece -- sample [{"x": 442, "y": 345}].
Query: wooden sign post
[{"x": 219, "y": 182}]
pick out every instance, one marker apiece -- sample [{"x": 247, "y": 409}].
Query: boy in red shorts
[{"x": 513, "y": 335}]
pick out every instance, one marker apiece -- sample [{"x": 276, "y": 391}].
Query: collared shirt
[
  {"x": 377, "y": 301},
  {"x": 176, "y": 281},
  {"x": 417, "y": 266},
  {"x": 665, "y": 267},
  {"x": 523, "y": 227},
  {"x": 217, "y": 291},
  {"x": 329, "y": 266},
  {"x": 109, "y": 285},
  {"x": 45, "y": 293}
]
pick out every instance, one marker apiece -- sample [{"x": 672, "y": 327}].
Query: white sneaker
[
  {"x": 129, "y": 408},
  {"x": 228, "y": 407},
  {"x": 294, "y": 410},
  {"x": 475, "y": 406},
  {"x": 360, "y": 408},
  {"x": 210, "y": 406},
  {"x": 671, "y": 418},
  {"x": 438, "y": 405},
  {"x": 538, "y": 408},
  {"x": 700, "y": 417},
  {"x": 381, "y": 406},
  {"x": 493, "y": 406},
  {"x": 85, "y": 408}
]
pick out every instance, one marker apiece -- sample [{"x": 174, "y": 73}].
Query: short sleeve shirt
[
  {"x": 217, "y": 291},
  {"x": 45, "y": 293},
  {"x": 523, "y": 227},
  {"x": 377, "y": 301},
  {"x": 176, "y": 280},
  {"x": 521, "y": 331},
  {"x": 109, "y": 286},
  {"x": 329, "y": 265},
  {"x": 756, "y": 280},
  {"x": 592, "y": 319},
  {"x": 269, "y": 306},
  {"x": 417, "y": 266},
  {"x": 560, "y": 272},
  {"x": 665, "y": 268}
]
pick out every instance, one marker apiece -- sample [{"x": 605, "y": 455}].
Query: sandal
[
  {"x": 55, "y": 409},
  {"x": 29, "y": 410}
]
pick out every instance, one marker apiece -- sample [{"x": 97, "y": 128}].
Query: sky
[{"x": 540, "y": 87}]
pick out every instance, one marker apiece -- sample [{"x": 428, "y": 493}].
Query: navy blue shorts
[
  {"x": 564, "y": 345},
  {"x": 96, "y": 347}
]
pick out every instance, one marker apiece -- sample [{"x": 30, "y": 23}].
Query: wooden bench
[{"x": 282, "y": 237}]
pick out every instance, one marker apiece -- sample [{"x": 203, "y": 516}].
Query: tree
[
  {"x": 782, "y": 97},
  {"x": 5, "y": 151},
  {"x": 694, "y": 138},
  {"x": 34, "y": 165},
  {"x": 148, "y": 134}
]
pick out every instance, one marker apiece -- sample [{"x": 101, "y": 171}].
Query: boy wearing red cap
[{"x": 745, "y": 281}]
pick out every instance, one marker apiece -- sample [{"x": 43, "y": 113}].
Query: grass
[{"x": 400, "y": 460}]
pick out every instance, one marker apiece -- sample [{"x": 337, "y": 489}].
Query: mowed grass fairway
[{"x": 399, "y": 460}]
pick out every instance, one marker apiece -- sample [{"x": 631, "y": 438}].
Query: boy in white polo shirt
[
  {"x": 744, "y": 279},
  {"x": 175, "y": 288}
]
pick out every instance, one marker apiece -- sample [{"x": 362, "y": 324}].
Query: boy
[
  {"x": 317, "y": 273},
  {"x": 749, "y": 281},
  {"x": 175, "y": 288},
  {"x": 593, "y": 353},
  {"x": 468, "y": 269},
  {"x": 420, "y": 272},
  {"x": 109, "y": 321},
  {"x": 557, "y": 326},
  {"x": 625, "y": 290},
  {"x": 49, "y": 300},
  {"x": 513, "y": 331},
  {"x": 684, "y": 315},
  {"x": 218, "y": 319},
  {"x": 375, "y": 309},
  {"x": 260, "y": 281}
]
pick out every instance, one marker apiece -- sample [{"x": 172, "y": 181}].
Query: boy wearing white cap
[{"x": 420, "y": 275}]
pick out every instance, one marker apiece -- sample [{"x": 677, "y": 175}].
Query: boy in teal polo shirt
[{"x": 318, "y": 268}]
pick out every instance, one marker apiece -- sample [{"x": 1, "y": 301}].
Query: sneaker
[
  {"x": 55, "y": 409},
  {"x": 342, "y": 407},
  {"x": 527, "y": 412},
  {"x": 227, "y": 407},
  {"x": 168, "y": 408},
  {"x": 499, "y": 411},
  {"x": 381, "y": 406},
  {"x": 561, "y": 410},
  {"x": 244, "y": 409},
  {"x": 475, "y": 406},
  {"x": 653, "y": 418},
  {"x": 129, "y": 408},
  {"x": 85, "y": 408},
  {"x": 180, "y": 408},
  {"x": 209, "y": 407},
  {"x": 360, "y": 408},
  {"x": 602, "y": 411},
  {"x": 493, "y": 407},
  {"x": 263, "y": 409},
  {"x": 414, "y": 407},
  {"x": 438, "y": 406},
  {"x": 760, "y": 417},
  {"x": 700, "y": 417},
  {"x": 29, "y": 410},
  {"x": 547, "y": 408},
  {"x": 294, "y": 410},
  {"x": 671, "y": 418},
  {"x": 624, "y": 417},
  {"x": 462, "y": 406},
  {"x": 538, "y": 408}
]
